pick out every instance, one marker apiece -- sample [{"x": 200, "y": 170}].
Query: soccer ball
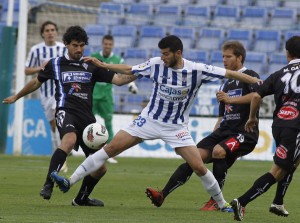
[{"x": 95, "y": 135}]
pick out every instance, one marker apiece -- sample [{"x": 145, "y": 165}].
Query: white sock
[
  {"x": 89, "y": 165},
  {"x": 211, "y": 185}
]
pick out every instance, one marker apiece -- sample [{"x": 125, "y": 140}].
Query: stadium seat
[
  {"x": 239, "y": 2},
  {"x": 187, "y": 35},
  {"x": 124, "y": 35},
  {"x": 133, "y": 56},
  {"x": 212, "y": 3},
  {"x": 181, "y": 2},
  {"x": 256, "y": 61},
  {"x": 210, "y": 39},
  {"x": 110, "y": 14},
  {"x": 253, "y": 17},
  {"x": 95, "y": 34},
  {"x": 288, "y": 34},
  {"x": 216, "y": 58},
  {"x": 167, "y": 15},
  {"x": 245, "y": 36},
  {"x": 266, "y": 41},
  {"x": 226, "y": 16},
  {"x": 291, "y": 4},
  {"x": 150, "y": 36},
  {"x": 124, "y": 1},
  {"x": 196, "y": 55},
  {"x": 277, "y": 61},
  {"x": 16, "y": 10},
  {"x": 268, "y": 3},
  {"x": 139, "y": 14},
  {"x": 283, "y": 18},
  {"x": 196, "y": 16}
]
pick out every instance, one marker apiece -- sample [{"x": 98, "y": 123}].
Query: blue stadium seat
[
  {"x": 277, "y": 61},
  {"x": 212, "y": 3},
  {"x": 156, "y": 52},
  {"x": 150, "y": 36},
  {"x": 226, "y": 16},
  {"x": 124, "y": 1},
  {"x": 239, "y": 3},
  {"x": 268, "y": 3},
  {"x": 210, "y": 39},
  {"x": 288, "y": 34},
  {"x": 196, "y": 55},
  {"x": 133, "y": 56},
  {"x": 167, "y": 15},
  {"x": 256, "y": 61},
  {"x": 245, "y": 36},
  {"x": 186, "y": 34},
  {"x": 291, "y": 4},
  {"x": 95, "y": 33},
  {"x": 266, "y": 41},
  {"x": 15, "y": 12},
  {"x": 139, "y": 14},
  {"x": 124, "y": 35},
  {"x": 196, "y": 16},
  {"x": 216, "y": 58},
  {"x": 254, "y": 17},
  {"x": 110, "y": 14},
  {"x": 283, "y": 18},
  {"x": 194, "y": 110},
  {"x": 181, "y": 2}
]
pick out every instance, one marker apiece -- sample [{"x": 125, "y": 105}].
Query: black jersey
[
  {"x": 235, "y": 116},
  {"x": 285, "y": 85},
  {"x": 74, "y": 83}
]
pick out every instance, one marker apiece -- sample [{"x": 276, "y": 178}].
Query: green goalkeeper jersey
[{"x": 103, "y": 89}]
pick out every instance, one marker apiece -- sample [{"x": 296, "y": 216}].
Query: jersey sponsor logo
[
  {"x": 173, "y": 94},
  {"x": 74, "y": 87},
  {"x": 281, "y": 152},
  {"x": 287, "y": 113},
  {"x": 232, "y": 144},
  {"x": 76, "y": 76},
  {"x": 235, "y": 93}
]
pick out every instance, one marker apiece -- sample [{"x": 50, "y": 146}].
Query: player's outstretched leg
[
  {"x": 62, "y": 182},
  {"x": 238, "y": 209},
  {"x": 156, "y": 197}
]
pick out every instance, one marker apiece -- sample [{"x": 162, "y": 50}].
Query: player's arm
[
  {"x": 34, "y": 70},
  {"x": 253, "y": 121},
  {"x": 121, "y": 79},
  {"x": 223, "y": 97},
  {"x": 27, "y": 89},
  {"x": 217, "y": 125},
  {"x": 118, "y": 68},
  {"x": 230, "y": 74}
]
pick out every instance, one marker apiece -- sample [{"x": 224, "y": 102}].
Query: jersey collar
[
  {"x": 68, "y": 58},
  {"x": 294, "y": 61}
]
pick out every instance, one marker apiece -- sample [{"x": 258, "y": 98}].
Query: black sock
[
  {"x": 260, "y": 186},
  {"x": 57, "y": 160},
  {"x": 86, "y": 189},
  {"x": 220, "y": 171},
  {"x": 282, "y": 187},
  {"x": 178, "y": 178}
]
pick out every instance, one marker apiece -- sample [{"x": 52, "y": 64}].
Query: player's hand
[
  {"x": 222, "y": 97},
  {"x": 9, "y": 100},
  {"x": 133, "y": 88},
  {"x": 251, "y": 124},
  {"x": 95, "y": 61}
]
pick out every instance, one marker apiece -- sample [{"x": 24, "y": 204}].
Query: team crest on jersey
[
  {"x": 228, "y": 108},
  {"x": 76, "y": 76},
  {"x": 74, "y": 87},
  {"x": 85, "y": 65},
  {"x": 143, "y": 65}
]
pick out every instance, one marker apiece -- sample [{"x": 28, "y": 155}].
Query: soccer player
[
  {"x": 74, "y": 80},
  {"x": 284, "y": 85},
  {"x": 38, "y": 56},
  {"x": 103, "y": 100},
  {"x": 176, "y": 82},
  {"x": 229, "y": 140}
]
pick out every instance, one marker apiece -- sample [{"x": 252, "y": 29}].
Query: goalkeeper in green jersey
[{"x": 103, "y": 100}]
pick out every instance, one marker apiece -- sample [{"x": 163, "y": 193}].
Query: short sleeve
[
  {"x": 46, "y": 73},
  {"x": 103, "y": 75}
]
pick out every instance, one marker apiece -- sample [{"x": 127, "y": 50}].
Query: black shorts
[
  {"x": 287, "y": 147},
  {"x": 235, "y": 144},
  {"x": 68, "y": 122}
]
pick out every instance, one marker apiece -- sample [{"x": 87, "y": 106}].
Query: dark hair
[
  {"x": 237, "y": 48},
  {"x": 75, "y": 33},
  {"x": 45, "y": 24},
  {"x": 172, "y": 42},
  {"x": 293, "y": 46},
  {"x": 108, "y": 37}
]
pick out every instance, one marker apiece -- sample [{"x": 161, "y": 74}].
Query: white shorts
[
  {"x": 176, "y": 135},
  {"x": 49, "y": 106}
]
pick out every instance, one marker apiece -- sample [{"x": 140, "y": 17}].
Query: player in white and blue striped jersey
[
  {"x": 176, "y": 82},
  {"x": 37, "y": 58}
]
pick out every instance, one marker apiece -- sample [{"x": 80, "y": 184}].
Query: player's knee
[{"x": 218, "y": 153}]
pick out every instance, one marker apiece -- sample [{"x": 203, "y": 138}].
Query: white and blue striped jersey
[
  {"x": 39, "y": 54},
  {"x": 174, "y": 91}
]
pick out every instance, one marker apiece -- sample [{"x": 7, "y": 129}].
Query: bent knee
[{"x": 218, "y": 152}]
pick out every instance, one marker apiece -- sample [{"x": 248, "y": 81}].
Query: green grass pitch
[{"x": 123, "y": 192}]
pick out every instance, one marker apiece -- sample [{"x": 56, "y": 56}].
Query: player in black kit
[
  {"x": 74, "y": 78},
  {"x": 284, "y": 85},
  {"x": 229, "y": 140}
]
